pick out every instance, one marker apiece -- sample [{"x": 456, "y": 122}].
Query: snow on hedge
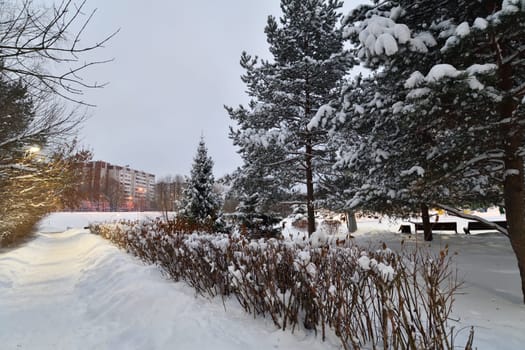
[{"x": 366, "y": 297}]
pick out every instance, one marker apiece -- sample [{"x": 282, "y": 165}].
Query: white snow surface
[
  {"x": 323, "y": 112},
  {"x": 414, "y": 80},
  {"x": 480, "y": 23},
  {"x": 512, "y": 6},
  {"x": 74, "y": 290},
  {"x": 440, "y": 71},
  {"x": 415, "y": 169},
  {"x": 490, "y": 299},
  {"x": 463, "y": 30}
]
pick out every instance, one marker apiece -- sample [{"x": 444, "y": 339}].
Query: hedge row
[{"x": 368, "y": 298}]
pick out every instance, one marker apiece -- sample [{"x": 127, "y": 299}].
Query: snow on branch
[
  {"x": 415, "y": 169},
  {"x": 380, "y": 35},
  {"x": 441, "y": 71},
  {"x": 323, "y": 112}
]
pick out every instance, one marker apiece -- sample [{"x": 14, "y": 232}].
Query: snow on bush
[{"x": 368, "y": 298}]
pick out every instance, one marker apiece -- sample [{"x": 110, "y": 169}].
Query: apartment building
[{"x": 114, "y": 187}]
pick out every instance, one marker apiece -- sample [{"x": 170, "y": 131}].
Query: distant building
[{"x": 112, "y": 187}]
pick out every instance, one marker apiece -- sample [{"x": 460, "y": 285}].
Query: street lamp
[
  {"x": 33, "y": 153},
  {"x": 33, "y": 149}
]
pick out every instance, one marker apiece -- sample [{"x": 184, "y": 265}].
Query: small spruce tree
[
  {"x": 254, "y": 222},
  {"x": 200, "y": 204}
]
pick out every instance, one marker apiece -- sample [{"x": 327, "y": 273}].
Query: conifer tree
[
  {"x": 200, "y": 203},
  {"x": 406, "y": 157},
  {"x": 276, "y": 134},
  {"x": 253, "y": 220},
  {"x": 441, "y": 120}
]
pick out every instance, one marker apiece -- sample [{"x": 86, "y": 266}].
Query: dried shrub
[
  {"x": 15, "y": 232},
  {"x": 300, "y": 224},
  {"x": 368, "y": 298}
]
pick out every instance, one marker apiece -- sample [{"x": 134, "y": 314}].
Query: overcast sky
[{"x": 176, "y": 63}]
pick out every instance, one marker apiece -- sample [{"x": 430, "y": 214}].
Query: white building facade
[{"x": 115, "y": 187}]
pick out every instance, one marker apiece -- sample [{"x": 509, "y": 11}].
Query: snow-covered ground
[
  {"x": 68, "y": 289},
  {"x": 59, "y": 222},
  {"x": 73, "y": 290}
]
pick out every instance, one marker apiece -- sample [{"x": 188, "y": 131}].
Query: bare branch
[{"x": 31, "y": 37}]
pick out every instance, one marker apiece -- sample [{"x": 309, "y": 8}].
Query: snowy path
[{"x": 73, "y": 290}]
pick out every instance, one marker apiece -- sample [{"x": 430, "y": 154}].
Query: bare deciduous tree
[
  {"x": 32, "y": 38},
  {"x": 169, "y": 193},
  {"x": 42, "y": 61}
]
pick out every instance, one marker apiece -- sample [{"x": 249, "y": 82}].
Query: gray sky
[{"x": 176, "y": 65}]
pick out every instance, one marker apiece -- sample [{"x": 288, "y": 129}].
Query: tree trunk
[
  {"x": 351, "y": 222},
  {"x": 308, "y": 162},
  {"x": 309, "y": 189},
  {"x": 513, "y": 185},
  {"x": 514, "y": 207},
  {"x": 427, "y": 228}
]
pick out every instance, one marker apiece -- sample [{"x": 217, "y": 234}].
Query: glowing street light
[{"x": 33, "y": 149}]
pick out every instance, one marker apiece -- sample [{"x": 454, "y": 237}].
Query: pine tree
[
  {"x": 253, "y": 220},
  {"x": 404, "y": 157},
  {"x": 444, "y": 110},
  {"x": 200, "y": 203},
  {"x": 276, "y": 134},
  {"x": 254, "y": 178}
]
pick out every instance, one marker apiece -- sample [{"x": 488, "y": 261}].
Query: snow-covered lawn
[{"x": 74, "y": 290}]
